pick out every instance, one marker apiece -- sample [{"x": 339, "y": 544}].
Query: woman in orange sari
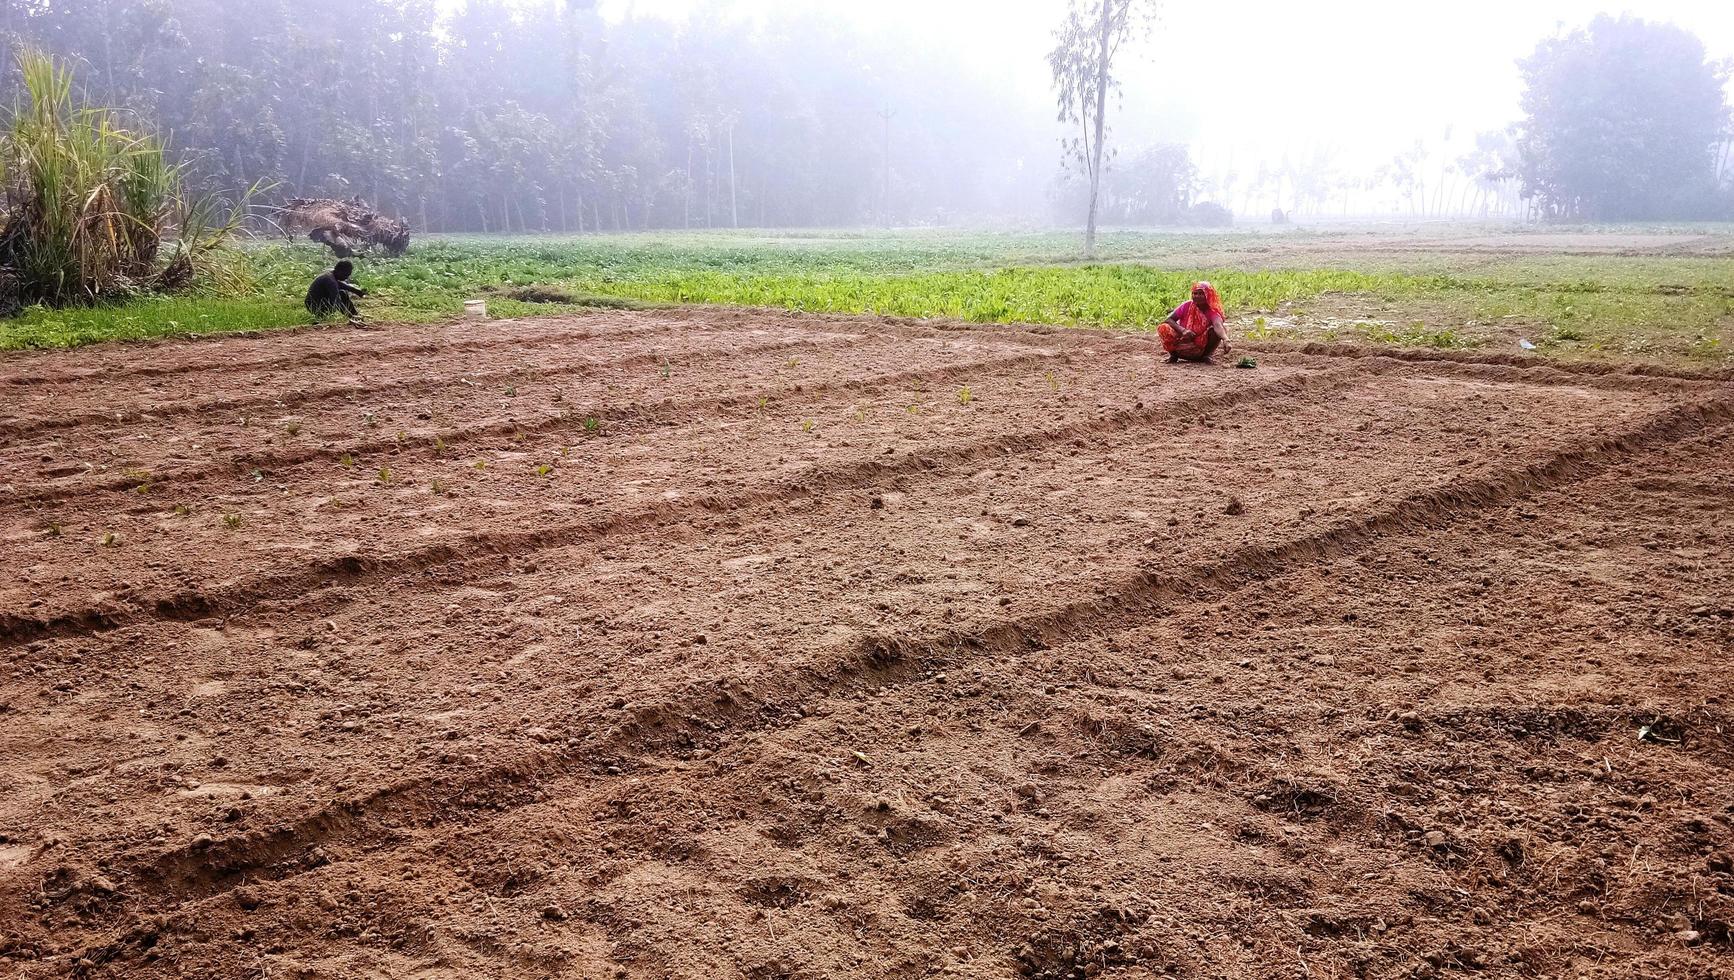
[{"x": 1195, "y": 330}]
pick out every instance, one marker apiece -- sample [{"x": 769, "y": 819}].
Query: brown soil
[{"x": 769, "y": 646}]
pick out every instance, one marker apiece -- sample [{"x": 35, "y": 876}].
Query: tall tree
[
  {"x": 1083, "y": 58},
  {"x": 1623, "y": 120}
]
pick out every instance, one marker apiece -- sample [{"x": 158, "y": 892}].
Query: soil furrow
[
  {"x": 306, "y": 397},
  {"x": 888, "y": 658},
  {"x": 354, "y": 570}
]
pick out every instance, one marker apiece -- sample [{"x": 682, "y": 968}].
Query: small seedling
[
  {"x": 512, "y": 391},
  {"x": 1053, "y": 382},
  {"x": 400, "y": 437},
  {"x": 438, "y": 488},
  {"x": 665, "y": 370},
  {"x": 565, "y": 452},
  {"x": 143, "y": 476},
  {"x": 763, "y": 401},
  {"x": 110, "y": 540},
  {"x": 592, "y": 424},
  {"x": 544, "y": 471},
  {"x": 964, "y": 396},
  {"x": 231, "y": 521},
  {"x": 182, "y": 510},
  {"x": 915, "y": 409},
  {"x": 54, "y": 529},
  {"x": 142, "y": 489},
  {"x": 369, "y": 419},
  {"x": 439, "y": 446},
  {"x": 293, "y": 428},
  {"x": 1246, "y": 362},
  {"x": 481, "y": 464},
  {"x": 346, "y": 461},
  {"x": 807, "y": 426},
  {"x": 384, "y": 475},
  {"x": 860, "y": 415},
  {"x": 258, "y": 475},
  {"x": 793, "y": 362}
]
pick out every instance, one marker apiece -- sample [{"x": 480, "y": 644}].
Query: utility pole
[{"x": 886, "y": 114}]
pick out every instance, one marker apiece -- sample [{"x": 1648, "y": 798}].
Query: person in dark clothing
[{"x": 330, "y": 293}]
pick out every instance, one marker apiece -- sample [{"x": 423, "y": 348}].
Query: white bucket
[{"x": 476, "y": 309}]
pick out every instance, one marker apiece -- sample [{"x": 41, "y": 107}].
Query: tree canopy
[{"x": 1624, "y": 120}]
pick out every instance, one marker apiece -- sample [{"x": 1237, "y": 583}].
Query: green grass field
[{"x": 1345, "y": 285}]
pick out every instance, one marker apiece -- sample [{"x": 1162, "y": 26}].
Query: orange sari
[{"x": 1189, "y": 340}]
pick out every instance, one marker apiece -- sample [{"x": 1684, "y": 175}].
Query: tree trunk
[
  {"x": 734, "y": 200},
  {"x": 1101, "y": 125}
]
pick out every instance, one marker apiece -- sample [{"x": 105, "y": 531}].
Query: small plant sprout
[
  {"x": 1246, "y": 362},
  {"x": 110, "y": 540},
  {"x": 1053, "y": 382},
  {"x": 293, "y": 429},
  {"x": 964, "y": 397},
  {"x": 544, "y": 471},
  {"x": 511, "y": 391},
  {"x": 915, "y": 409},
  {"x": 54, "y": 530},
  {"x": 592, "y": 424},
  {"x": 807, "y": 426},
  {"x": 231, "y": 521},
  {"x": 369, "y": 419},
  {"x": 346, "y": 461},
  {"x": 400, "y": 437},
  {"x": 565, "y": 452},
  {"x": 258, "y": 475},
  {"x": 182, "y": 510},
  {"x": 384, "y": 475},
  {"x": 860, "y": 415},
  {"x": 438, "y": 488},
  {"x": 793, "y": 362},
  {"x": 481, "y": 464},
  {"x": 142, "y": 489},
  {"x": 439, "y": 446},
  {"x": 764, "y": 400},
  {"x": 665, "y": 369}
]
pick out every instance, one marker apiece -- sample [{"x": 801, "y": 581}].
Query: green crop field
[{"x": 1366, "y": 287}]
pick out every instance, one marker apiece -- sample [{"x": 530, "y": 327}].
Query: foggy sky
[{"x": 1252, "y": 80}]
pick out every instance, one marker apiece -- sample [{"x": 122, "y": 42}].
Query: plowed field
[{"x": 735, "y": 644}]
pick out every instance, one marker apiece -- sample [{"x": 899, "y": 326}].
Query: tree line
[{"x": 529, "y": 117}]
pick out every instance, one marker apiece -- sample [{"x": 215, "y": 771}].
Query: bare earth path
[{"x": 735, "y": 644}]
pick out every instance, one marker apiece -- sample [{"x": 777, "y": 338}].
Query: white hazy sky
[{"x": 1251, "y": 79}]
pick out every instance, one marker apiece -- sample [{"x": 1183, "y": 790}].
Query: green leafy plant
[
  {"x": 110, "y": 540},
  {"x": 807, "y": 426},
  {"x": 293, "y": 429},
  {"x": 592, "y": 425},
  {"x": 439, "y": 446},
  {"x": 384, "y": 475},
  {"x": 346, "y": 461},
  {"x": 545, "y": 471},
  {"x": 438, "y": 488},
  {"x": 964, "y": 396},
  {"x": 54, "y": 530},
  {"x": 231, "y": 521},
  {"x": 1246, "y": 362},
  {"x": 182, "y": 510},
  {"x": 481, "y": 464}
]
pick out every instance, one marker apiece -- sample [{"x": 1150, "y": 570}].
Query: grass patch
[{"x": 1610, "y": 306}]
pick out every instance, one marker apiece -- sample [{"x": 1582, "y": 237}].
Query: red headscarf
[{"x": 1213, "y": 301}]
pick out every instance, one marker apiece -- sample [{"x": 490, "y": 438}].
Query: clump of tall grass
[{"x": 91, "y": 210}]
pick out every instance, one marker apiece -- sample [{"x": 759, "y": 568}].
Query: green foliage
[
  {"x": 1622, "y": 122},
  {"x": 93, "y": 210}
]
